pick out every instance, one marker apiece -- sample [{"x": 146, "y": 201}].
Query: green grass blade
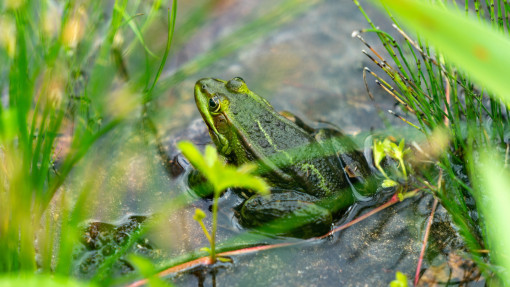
[
  {"x": 470, "y": 44},
  {"x": 129, "y": 20},
  {"x": 33, "y": 280},
  {"x": 171, "y": 27},
  {"x": 494, "y": 200}
]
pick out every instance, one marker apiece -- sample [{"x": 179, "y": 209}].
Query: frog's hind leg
[{"x": 287, "y": 213}]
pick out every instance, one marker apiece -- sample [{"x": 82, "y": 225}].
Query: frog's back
[{"x": 294, "y": 151}]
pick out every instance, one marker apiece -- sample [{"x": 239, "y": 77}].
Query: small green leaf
[
  {"x": 401, "y": 145},
  {"x": 224, "y": 259},
  {"x": 211, "y": 156},
  {"x": 220, "y": 175},
  {"x": 193, "y": 155},
  {"x": 388, "y": 183},
  {"x": 378, "y": 151},
  {"x": 398, "y": 151},
  {"x": 400, "y": 280},
  {"x": 389, "y": 148},
  {"x": 233, "y": 178},
  {"x": 206, "y": 249},
  {"x": 247, "y": 168}
]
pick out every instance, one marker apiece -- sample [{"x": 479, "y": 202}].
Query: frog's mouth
[{"x": 201, "y": 100}]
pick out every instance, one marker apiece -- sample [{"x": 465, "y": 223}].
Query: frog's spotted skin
[{"x": 246, "y": 128}]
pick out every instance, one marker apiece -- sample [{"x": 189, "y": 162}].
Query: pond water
[{"x": 312, "y": 67}]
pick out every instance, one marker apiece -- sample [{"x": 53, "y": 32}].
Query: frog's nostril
[
  {"x": 204, "y": 88},
  {"x": 202, "y": 83}
]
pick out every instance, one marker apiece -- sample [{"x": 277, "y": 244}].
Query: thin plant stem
[
  {"x": 204, "y": 229},
  {"x": 214, "y": 225},
  {"x": 425, "y": 241}
]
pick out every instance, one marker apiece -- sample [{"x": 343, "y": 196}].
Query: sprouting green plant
[
  {"x": 221, "y": 177},
  {"x": 397, "y": 152},
  {"x": 387, "y": 148},
  {"x": 379, "y": 155},
  {"x": 400, "y": 280},
  {"x": 198, "y": 217}
]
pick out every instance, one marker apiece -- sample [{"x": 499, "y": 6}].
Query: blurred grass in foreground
[{"x": 73, "y": 72}]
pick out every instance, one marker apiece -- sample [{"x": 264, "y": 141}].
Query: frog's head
[{"x": 226, "y": 108}]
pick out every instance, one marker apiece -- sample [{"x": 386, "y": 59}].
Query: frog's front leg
[
  {"x": 352, "y": 160},
  {"x": 289, "y": 213}
]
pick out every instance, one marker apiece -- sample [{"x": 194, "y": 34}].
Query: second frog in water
[{"x": 312, "y": 171}]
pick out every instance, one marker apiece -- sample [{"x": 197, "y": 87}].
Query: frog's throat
[
  {"x": 201, "y": 101},
  {"x": 218, "y": 139}
]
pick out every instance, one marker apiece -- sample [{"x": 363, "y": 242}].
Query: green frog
[{"x": 312, "y": 171}]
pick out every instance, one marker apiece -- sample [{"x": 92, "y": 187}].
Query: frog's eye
[
  {"x": 237, "y": 84},
  {"x": 214, "y": 104},
  {"x": 238, "y": 79}
]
